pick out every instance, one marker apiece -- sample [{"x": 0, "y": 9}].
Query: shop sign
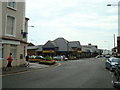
[
  {"x": 48, "y": 51},
  {"x": 79, "y": 51}
]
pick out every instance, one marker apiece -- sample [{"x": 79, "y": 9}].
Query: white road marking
[
  {"x": 112, "y": 75},
  {"x": 110, "y": 72},
  {"x": 112, "y": 81}
]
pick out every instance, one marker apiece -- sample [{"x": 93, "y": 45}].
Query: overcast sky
[{"x": 87, "y": 21}]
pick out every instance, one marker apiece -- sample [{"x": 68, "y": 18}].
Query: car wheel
[
  {"x": 111, "y": 69},
  {"x": 106, "y": 67},
  {"x": 115, "y": 73}
]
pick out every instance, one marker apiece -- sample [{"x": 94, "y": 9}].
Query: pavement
[{"x": 32, "y": 66}]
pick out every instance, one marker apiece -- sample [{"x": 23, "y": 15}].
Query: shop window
[
  {"x": 24, "y": 51},
  {"x": 1, "y": 52}
]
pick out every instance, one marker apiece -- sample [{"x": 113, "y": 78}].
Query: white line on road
[
  {"x": 112, "y": 81},
  {"x": 112, "y": 75},
  {"x": 110, "y": 72}
]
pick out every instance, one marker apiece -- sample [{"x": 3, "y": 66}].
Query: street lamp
[
  {"x": 118, "y": 38},
  {"x": 112, "y": 4},
  {"x": 31, "y": 26}
]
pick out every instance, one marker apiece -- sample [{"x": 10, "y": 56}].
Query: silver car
[{"x": 111, "y": 63}]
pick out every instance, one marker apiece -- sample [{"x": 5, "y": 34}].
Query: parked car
[
  {"x": 107, "y": 56},
  {"x": 59, "y": 58},
  {"x": 111, "y": 63},
  {"x": 65, "y": 58},
  {"x": 99, "y": 56},
  {"x": 117, "y": 71},
  {"x": 117, "y": 85},
  {"x": 41, "y": 57}
]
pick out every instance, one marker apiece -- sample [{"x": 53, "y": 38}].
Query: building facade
[
  {"x": 57, "y": 47},
  {"x": 14, "y": 32},
  {"x": 118, "y": 46}
]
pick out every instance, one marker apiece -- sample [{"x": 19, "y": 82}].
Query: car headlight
[{"x": 113, "y": 64}]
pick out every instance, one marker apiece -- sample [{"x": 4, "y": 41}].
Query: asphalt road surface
[{"x": 83, "y": 73}]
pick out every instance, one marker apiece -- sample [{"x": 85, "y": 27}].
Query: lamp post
[
  {"x": 112, "y": 5},
  {"x": 30, "y": 27},
  {"x": 118, "y": 37}
]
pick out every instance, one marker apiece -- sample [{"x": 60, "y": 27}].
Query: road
[{"x": 83, "y": 73}]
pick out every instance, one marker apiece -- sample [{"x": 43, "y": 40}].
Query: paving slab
[{"x": 24, "y": 68}]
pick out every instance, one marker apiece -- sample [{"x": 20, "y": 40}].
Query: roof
[
  {"x": 61, "y": 43},
  {"x": 91, "y": 48},
  {"x": 39, "y": 48},
  {"x": 75, "y": 44},
  {"x": 32, "y": 47},
  {"x": 31, "y": 44},
  {"x": 50, "y": 44}
]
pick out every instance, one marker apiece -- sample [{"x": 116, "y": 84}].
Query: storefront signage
[
  {"x": 79, "y": 51},
  {"x": 48, "y": 51}
]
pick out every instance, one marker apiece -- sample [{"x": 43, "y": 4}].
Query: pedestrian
[
  {"x": 10, "y": 59},
  {"x": 27, "y": 60}
]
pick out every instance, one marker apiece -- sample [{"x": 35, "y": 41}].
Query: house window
[
  {"x": 13, "y": 50},
  {"x": 10, "y": 28},
  {"x": 24, "y": 51},
  {"x": 11, "y": 4},
  {"x": 1, "y": 52}
]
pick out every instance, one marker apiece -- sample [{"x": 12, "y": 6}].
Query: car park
[{"x": 111, "y": 63}]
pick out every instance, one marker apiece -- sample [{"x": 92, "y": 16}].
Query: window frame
[
  {"x": 2, "y": 53},
  {"x": 11, "y": 1},
  {"x": 12, "y": 48},
  {"x": 14, "y": 26}
]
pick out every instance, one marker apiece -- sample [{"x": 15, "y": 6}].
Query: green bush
[{"x": 48, "y": 58}]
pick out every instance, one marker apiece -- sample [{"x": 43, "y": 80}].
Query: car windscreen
[{"x": 115, "y": 60}]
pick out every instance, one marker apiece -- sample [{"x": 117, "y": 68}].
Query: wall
[
  {"x": 18, "y": 15},
  {"x": 20, "y": 20}
]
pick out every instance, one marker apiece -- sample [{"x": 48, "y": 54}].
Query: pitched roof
[
  {"x": 61, "y": 43},
  {"x": 32, "y": 47},
  {"x": 75, "y": 44},
  {"x": 31, "y": 44},
  {"x": 39, "y": 48},
  {"x": 50, "y": 44},
  {"x": 91, "y": 48}
]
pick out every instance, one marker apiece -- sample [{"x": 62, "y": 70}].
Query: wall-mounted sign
[
  {"x": 48, "y": 51},
  {"x": 24, "y": 34},
  {"x": 79, "y": 51}
]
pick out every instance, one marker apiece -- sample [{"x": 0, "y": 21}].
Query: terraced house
[{"x": 13, "y": 31}]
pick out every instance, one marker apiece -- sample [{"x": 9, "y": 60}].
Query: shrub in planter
[
  {"x": 48, "y": 58},
  {"x": 47, "y": 62}
]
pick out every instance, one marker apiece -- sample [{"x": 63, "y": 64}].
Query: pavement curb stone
[{"x": 21, "y": 69}]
